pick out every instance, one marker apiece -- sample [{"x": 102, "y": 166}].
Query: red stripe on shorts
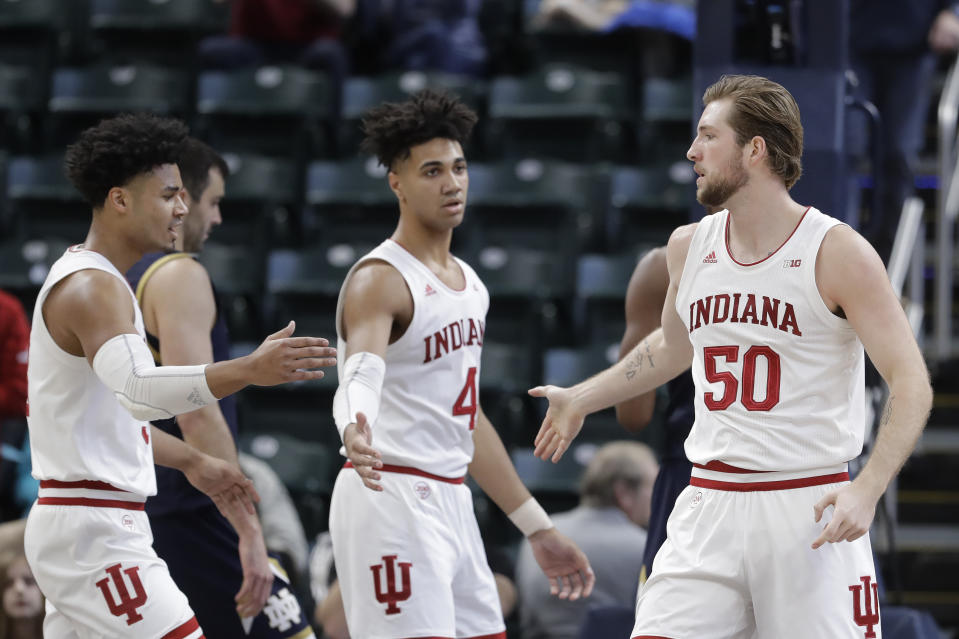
[
  {"x": 786, "y": 484},
  {"x": 84, "y": 483},
  {"x": 721, "y": 467},
  {"x": 406, "y": 470},
  {"x": 86, "y": 501},
  {"x": 183, "y": 630},
  {"x": 651, "y": 637},
  {"x": 498, "y": 635}
]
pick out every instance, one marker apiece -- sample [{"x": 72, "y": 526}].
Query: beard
[{"x": 716, "y": 193}]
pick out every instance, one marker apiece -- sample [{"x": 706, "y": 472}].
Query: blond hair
[{"x": 761, "y": 107}]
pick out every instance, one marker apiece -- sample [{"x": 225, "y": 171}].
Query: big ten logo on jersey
[
  {"x": 865, "y": 600},
  {"x": 792, "y": 263},
  {"x": 282, "y": 610},
  {"x": 452, "y": 337},
  {"x": 123, "y": 603},
  {"x": 386, "y": 589}
]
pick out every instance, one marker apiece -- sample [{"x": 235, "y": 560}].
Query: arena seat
[
  {"x": 279, "y": 111},
  {"x": 42, "y": 201},
  {"x": 590, "y": 108},
  {"x": 348, "y": 201}
]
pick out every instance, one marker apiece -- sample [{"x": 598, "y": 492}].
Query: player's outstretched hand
[
  {"x": 570, "y": 575},
  {"x": 223, "y": 483},
  {"x": 283, "y": 358},
  {"x": 854, "y": 508},
  {"x": 358, "y": 441},
  {"x": 561, "y": 424},
  {"x": 257, "y": 575}
]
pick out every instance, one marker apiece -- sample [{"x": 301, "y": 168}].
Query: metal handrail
[{"x": 948, "y": 118}]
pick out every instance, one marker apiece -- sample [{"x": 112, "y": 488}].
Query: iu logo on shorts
[
  {"x": 126, "y": 605},
  {"x": 870, "y": 617},
  {"x": 389, "y": 594}
]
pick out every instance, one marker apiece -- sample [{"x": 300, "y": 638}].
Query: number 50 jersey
[
  {"x": 779, "y": 378},
  {"x": 431, "y": 388}
]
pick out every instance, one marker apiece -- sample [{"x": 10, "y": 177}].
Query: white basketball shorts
[
  {"x": 91, "y": 551},
  {"x": 738, "y": 563},
  {"x": 410, "y": 559}
]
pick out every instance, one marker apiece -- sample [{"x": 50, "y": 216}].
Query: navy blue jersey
[
  {"x": 674, "y": 469},
  {"x": 201, "y": 553},
  {"x": 174, "y": 492}
]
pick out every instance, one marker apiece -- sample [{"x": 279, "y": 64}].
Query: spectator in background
[
  {"x": 609, "y": 525},
  {"x": 23, "y": 606},
  {"x": 893, "y": 51},
  {"x": 434, "y": 35},
  {"x": 303, "y": 32},
  {"x": 14, "y": 344},
  {"x": 590, "y": 15}
]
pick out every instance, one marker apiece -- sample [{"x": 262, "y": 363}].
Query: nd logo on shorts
[
  {"x": 126, "y": 605},
  {"x": 390, "y": 594},
  {"x": 870, "y": 618}
]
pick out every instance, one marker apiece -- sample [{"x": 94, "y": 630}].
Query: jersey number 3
[
  {"x": 468, "y": 394},
  {"x": 731, "y": 384}
]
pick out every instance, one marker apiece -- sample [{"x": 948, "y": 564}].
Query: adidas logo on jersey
[
  {"x": 711, "y": 258},
  {"x": 430, "y": 290}
]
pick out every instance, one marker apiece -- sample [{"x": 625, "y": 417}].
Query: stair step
[
  {"x": 941, "y": 441},
  {"x": 928, "y": 506},
  {"x": 928, "y": 538}
]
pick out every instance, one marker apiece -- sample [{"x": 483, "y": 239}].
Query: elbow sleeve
[
  {"x": 124, "y": 364},
  {"x": 359, "y": 390}
]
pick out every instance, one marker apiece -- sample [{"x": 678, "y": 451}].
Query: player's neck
[
  {"x": 761, "y": 218},
  {"x": 111, "y": 245},
  {"x": 428, "y": 246}
]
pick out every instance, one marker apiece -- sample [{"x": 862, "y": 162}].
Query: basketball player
[
  {"x": 221, "y": 566},
  {"x": 93, "y": 387},
  {"x": 771, "y": 302},
  {"x": 411, "y": 318},
  {"x": 645, "y": 297}
]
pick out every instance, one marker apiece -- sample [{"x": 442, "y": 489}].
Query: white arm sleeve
[
  {"x": 359, "y": 390},
  {"x": 124, "y": 364}
]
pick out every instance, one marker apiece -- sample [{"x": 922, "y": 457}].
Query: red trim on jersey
[
  {"x": 785, "y": 484},
  {"x": 83, "y": 483},
  {"x": 720, "y": 467},
  {"x": 651, "y": 637},
  {"x": 463, "y": 271},
  {"x": 183, "y": 630},
  {"x": 730, "y": 253},
  {"x": 86, "y": 501},
  {"x": 406, "y": 470}
]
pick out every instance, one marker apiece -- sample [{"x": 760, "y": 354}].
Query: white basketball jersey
[
  {"x": 779, "y": 378},
  {"x": 431, "y": 387},
  {"x": 78, "y": 430}
]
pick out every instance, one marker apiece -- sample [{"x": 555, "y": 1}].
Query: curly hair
[
  {"x": 118, "y": 149},
  {"x": 392, "y": 128},
  {"x": 195, "y": 161}
]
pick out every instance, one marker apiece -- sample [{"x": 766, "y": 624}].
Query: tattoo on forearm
[
  {"x": 886, "y": 412},
  {"x": 638, "y": 359}
]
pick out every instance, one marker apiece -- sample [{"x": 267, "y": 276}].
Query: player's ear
[{"x": 395, "y": 185}]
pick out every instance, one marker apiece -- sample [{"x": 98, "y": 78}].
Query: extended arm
[
  {"x": 376, "y": 300},
  {"x": 179, "y": 306},
  {"x": 851, "y": 277},
  {"x": 567, "y": 568},
  {"x": 644, "y": 310},
  {"x": 90, "y": 314},
  {"x": 655, "y": 360}
]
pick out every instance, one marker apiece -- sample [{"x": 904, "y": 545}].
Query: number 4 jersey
[
  {"x": 779, "y": 378},
  {"x": 430, "y": 391}
]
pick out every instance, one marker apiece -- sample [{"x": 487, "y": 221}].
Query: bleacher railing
[{"x": 947, "y": 210}]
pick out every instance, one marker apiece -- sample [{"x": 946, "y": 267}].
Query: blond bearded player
[
  {"x": 410, "y": 320},
  {"x": 771, "y": 302}
]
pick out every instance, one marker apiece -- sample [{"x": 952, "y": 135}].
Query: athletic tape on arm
[
  {"x": 359, "y": 390},
  {"x": 124, "y": 364}
]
